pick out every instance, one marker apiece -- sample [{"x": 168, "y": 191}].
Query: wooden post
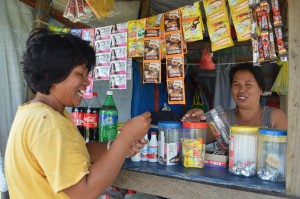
[{"x": 293, "y": 140}]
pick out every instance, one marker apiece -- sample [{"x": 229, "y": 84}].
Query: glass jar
[
  {"x": 193, "y": 144},
  {"x": 169, "y": 142},
  {"x": 219, "y": 125},
  {"x": 243, "y": 150},
  {"x": 271, "y": 155}
]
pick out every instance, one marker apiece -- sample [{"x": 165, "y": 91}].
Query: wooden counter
[{"x": 187, "y": 183}]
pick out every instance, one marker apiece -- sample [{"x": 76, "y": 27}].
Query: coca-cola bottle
[
  {"x": 91, "y": 119},
  {"x": 78, "y": 117}
]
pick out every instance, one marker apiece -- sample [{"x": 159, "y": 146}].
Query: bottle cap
[
  {"x": 109, "y": 93},
  {"x": 95, "y": 94}
]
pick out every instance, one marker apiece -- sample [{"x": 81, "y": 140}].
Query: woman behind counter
[
  {"x": 46, "y": 156},
  {"x": 247, "y": 86}
]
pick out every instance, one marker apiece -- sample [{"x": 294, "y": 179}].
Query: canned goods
[
  {"x": 271, "y": 155},
  {"x": 243, "y": 150},
  {"x": 169, "y": 142},
  {"x": 193, "y": 144}
]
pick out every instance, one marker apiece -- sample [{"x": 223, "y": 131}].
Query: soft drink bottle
[
  {"x": 108, "y": 119},
  {"x": 78, "y": 117},
  {"x": 91, "y": 119}
]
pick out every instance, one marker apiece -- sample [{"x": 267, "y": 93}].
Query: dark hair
[
  {"x": 50, "y": 57},
  {"x": 255, "y": 70}
]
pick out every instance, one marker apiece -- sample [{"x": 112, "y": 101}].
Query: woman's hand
[
  {"x": 194, "y": 115},
  {"x": 136, "y": 128},
  {"x": 136, "y": 147}
]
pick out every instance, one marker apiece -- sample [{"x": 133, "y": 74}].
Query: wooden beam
[
  {"x": 57, "y": 15},
  {"x": 293, "y": 138},
  {"x": 144, "y": 9}
]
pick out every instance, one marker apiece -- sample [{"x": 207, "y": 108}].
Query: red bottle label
[
  {"x": 91, "y": 120},
  {"x": 77, "y": 118}
]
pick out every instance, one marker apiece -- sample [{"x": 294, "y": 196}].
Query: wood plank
[
  {"x": 293, "y": 140},
  {"x": 144, "y": 9},
  {"x": 178, "y": 189}
]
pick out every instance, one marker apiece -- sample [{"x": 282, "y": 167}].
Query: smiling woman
[
  {"x": 247, "y": 86},
  {"x": 43, "y": 140}
]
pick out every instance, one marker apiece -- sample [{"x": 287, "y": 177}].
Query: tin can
[
  {"x": 243, "y": 150},
  {"x": 271, "y": 154},
  {"x": 193, "y": 144},
  {"x": 169, "y": 142}
]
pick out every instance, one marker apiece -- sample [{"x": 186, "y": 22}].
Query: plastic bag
[
  {"x": 206, "y": 62},
  {"x": 199, "y": 100},
  {"x": 3, "y": 185},
  {"x": 280, "y": 85}
]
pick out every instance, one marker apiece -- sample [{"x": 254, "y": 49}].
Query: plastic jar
[
  {"x": 169, "y": 142},
  {"x": 243, "y": 150},
  {"x": 219, "y": 124},
  {"x": 271, "y": 155},
  {"x": 193, "y": 144}
]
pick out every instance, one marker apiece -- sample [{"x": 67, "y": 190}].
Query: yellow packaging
[
  {"x": 135, "y": 34},
  {"x": 191, "y": 11},
  {"x": 192, "y": 30},
  {"x": 213, "y": 6},
  {"x": 220, "y": 35},
  {"x": 193, "y": 153},
  {"x": 240, "y": 8},
  {"x": 242, "y": 24}
]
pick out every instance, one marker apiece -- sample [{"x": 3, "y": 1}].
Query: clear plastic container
[
  {"x": 243, "y": 150},
  {"x": 219, "y": 124},
  {"x": 169, "y": 142},
  {"x": 271, "y": 155},
  {"x": 193, "y": 144}
]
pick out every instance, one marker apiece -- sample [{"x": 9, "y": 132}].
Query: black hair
[
  {"x": 50, "y": 57},
  {"x": 255, "y": 70}
]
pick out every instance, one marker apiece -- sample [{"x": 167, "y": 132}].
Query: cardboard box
[{"x": 216, "y": 158}]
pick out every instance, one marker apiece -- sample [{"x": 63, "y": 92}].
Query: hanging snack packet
[
  {"x": 176, "y": 93},
  {"x": 175, "y": 66},
  {"x": 152, "y": 72}
]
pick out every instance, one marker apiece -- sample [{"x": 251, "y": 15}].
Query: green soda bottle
[{"x": 108, "y": 119}]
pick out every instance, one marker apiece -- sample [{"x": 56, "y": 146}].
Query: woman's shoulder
[{"x": 279, "y": 118}]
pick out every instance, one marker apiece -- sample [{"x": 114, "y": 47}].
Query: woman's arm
[{"x": 279, "y": 119}]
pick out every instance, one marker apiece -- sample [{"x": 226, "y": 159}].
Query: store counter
[{"x": 186, "y": 183}]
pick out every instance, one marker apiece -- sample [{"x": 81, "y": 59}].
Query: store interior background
[{"x": 17, "y": 18}]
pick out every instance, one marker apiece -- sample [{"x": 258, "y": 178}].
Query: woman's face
[
  {"x": 245, "y": 89},
  {"x": 70, "y": 91}
]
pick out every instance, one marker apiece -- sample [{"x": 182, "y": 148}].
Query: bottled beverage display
[
  {"x": 153, "y": 148},
  {"x": 78, "y": 117},
  {"x": 108, "y": 119},
  {"x": 91, "y": 119}
]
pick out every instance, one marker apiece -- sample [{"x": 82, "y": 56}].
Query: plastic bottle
[
  {"x": 130, "y": 194},
  {"x": 144, "y": 150},
  {"x": 136, "y": 157},
  {"x": 91, "y": 119},
  {"x": 78, "y": 117},
  {"x": 108, "y": 119},
  {"x": 153, "y": 148}
]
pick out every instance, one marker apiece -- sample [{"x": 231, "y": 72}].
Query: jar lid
[
  {"x": 199, "y": 125},
  {"x": 169, "y": 124},
  {"x": 243, "y": 128},
  {"x": 275, "y": 132}
]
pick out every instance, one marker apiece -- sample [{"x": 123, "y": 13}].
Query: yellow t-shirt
[{"x": 45, "y": 153}]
